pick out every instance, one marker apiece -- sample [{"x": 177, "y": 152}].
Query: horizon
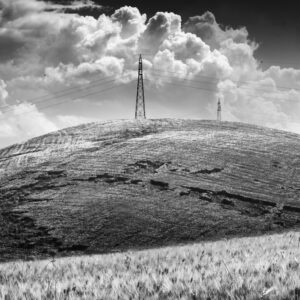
[{"x": 141, "y": 121}]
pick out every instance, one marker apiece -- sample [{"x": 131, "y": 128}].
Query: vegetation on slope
[
  {"x": 112, "y": 186},
  {"x": 265, "y": 267}
]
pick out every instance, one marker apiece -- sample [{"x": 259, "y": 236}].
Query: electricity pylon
[
  {"x": 140, "y": 112},
  {"x": 219, "y": 115}
]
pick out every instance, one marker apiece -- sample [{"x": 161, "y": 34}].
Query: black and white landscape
[{"x": 149, "y": 151}]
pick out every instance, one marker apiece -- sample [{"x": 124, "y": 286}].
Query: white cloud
[
  {"x": 284, "y": 77},
  {"x": 69, "y": 120},
  {"x": 107, "y": 66},
  {"x": 3, "y": 93},
  {"x": 132, "y": 22},
  {"x": 293, "y": 127},
  {"x": 262, "y": 103},
  {"x": 23, "y": 121},
  {"x": 241, "y": 59}
]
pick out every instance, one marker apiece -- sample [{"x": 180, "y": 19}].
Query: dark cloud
[
  {"x": 87, "y": 8},
  {"x": 207, "y": 28},
  {"x": 203, "y": 26},
  {"x": 60, "y": 48},
  {"x": 12, "y": 10},
  {"x": 87, "y": 11},
  {"x": 12, "y": 45}
]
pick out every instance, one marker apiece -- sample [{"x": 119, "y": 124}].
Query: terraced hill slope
[{"x": 110, "y": 186}]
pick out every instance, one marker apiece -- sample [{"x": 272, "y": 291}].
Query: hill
[{"x": 111, "y": 186}]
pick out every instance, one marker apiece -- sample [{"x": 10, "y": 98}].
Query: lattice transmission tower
[
  {"x": 219, "y": 111},
  {"x": 140, "y": 112}
]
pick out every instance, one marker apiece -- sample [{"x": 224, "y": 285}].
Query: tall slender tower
[
  {"x": 219, "y": 115},
  {"x": 140, "y": 112}
]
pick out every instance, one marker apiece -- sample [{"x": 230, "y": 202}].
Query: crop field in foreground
[{"x": 265, "y": 267}]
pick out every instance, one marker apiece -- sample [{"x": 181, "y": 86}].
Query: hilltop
[{"x": 111, "y": 186}]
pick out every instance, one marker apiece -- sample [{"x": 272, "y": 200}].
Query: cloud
[
  {"x": 249, "y": 94},
  {"x": 22, "y": 122},
  {"x": 74, "y": 6},
  {"x": 69, "y": 120},
  {"x": 15, "y": 9},
  {"x": 12, "y": 10},
  {"x": 241, "y": 59},
  {"x": 3, "y": 93},
  {"x": 11, "y": 43},
  {"x": 207, "y": 28},
  {"x": 131, "y": 20},
  {"x": 261, "y": 102},
  {"x": 45, "y": 50},
  {"x": 108, "y": 66},
  {"x": 186, "y": 45},
  {"x": 286, "y": 77},
  {"x": 158, "y": 28}
]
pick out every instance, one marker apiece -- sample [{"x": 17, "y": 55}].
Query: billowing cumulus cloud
[
  {"x": 132, "y": 22},
  {"x": 45, "y": 50},
  {"x": 207, "y": 28},
  {"x": 159, "y": 28},
  {"x": 241, "y": 59},
  {"x": 22, "y": 122}
]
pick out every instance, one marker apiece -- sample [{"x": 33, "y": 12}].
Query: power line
[
  {"x": 211, "y": 90},
  {"x": 218, "y": 79},
  {"x": 68, "y": 91},
  {"x": 189, "y": 86},
  {"x": 64, "y": 90},
  {"x": 208, "y": 90},
  {"x": 241, "y": 87},
  {"x": 259, "y": 60},
  {"x": 71, "y": 88},
  {"x": 65, "y": 101},
  {"x": 156, "y": 73},
  {"x": 60, "y": 95},
  {"x": 95, "y": 83}
]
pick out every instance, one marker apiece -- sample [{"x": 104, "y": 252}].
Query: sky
[{"x": 63, "y": 63}]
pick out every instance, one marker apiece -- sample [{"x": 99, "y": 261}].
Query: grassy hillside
[
  {"x": 265, "y": 267},
  {"x": 112, "y": 186}
]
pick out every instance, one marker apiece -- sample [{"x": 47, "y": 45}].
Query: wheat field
[{"x": 265, "y": 267}]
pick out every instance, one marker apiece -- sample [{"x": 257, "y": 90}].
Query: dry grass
[
  {"x": 120, "y": 185},
  {"x": 264, "y": 267}
]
